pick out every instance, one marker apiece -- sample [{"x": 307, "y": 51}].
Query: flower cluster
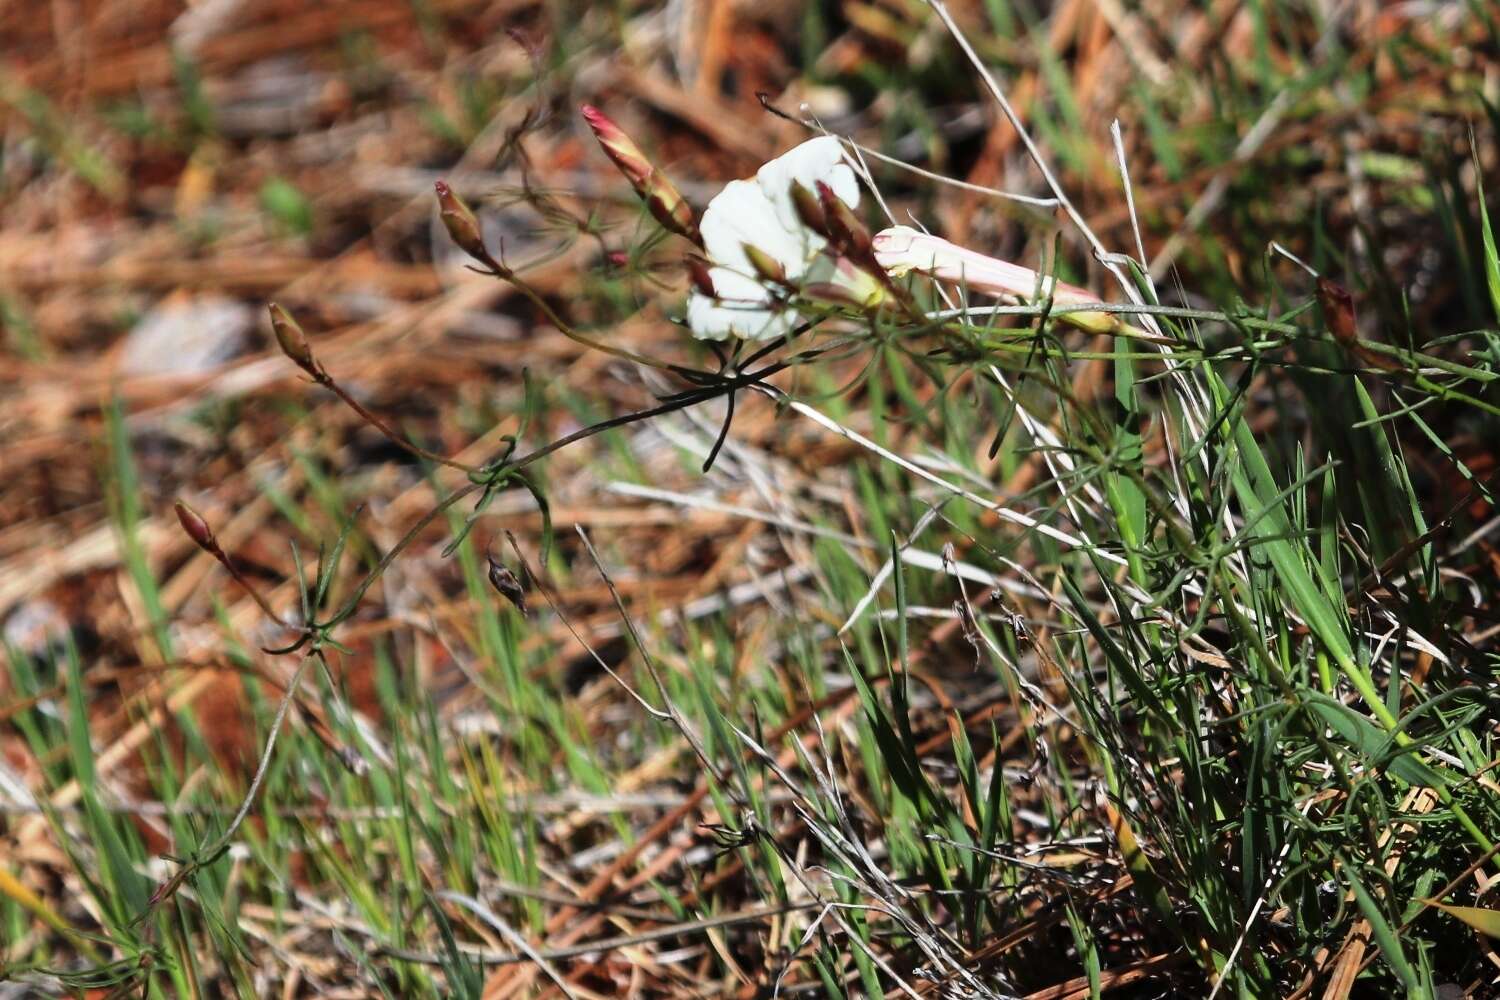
[
  {"x": 790, "y": 233},
  {"x": 760, "y": 246}
]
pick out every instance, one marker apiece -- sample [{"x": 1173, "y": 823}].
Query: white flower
[
  {"x": 902, "y": 249},
  {"x": 760, "y": 213}
]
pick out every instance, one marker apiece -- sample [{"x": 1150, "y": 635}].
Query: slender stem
[
  {"x": 327, "y": 381},
  {"x": 223, "y": 557},
  {"x": 265, "y": 762},
  {"x": 1213, "y": 316},
  {"x": 254, "y": 593},
  {"x": 498, "y": 474},
  {"x": 680, "y": 402},
  {"x": 507, "y": 275},
  {"x": 399, "y": 547}
]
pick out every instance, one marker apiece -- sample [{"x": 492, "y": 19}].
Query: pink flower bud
[
  {"x": 1343, "y": 322},
  {"x": 1338, "y": 311},
  {"x": 662, "y": 198},
  {"x": 669, "y": 208},
  {"x": 507, "y": 585},
  {"x": 619, "y": 147}
]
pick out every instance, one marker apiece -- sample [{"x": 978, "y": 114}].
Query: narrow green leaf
[
  {"x": 1381, "y": 930},
  {"x": 1491, "y": 257},
  {"x": 1373, "y": 741},
  {"x": 1482, "y": 920}
]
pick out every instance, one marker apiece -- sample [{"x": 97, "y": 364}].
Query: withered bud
[
  {"x": 809, "y": 209},
  {"x": 848, "y": 235},
  {"x": 461, "y": 223},
  {"x": 698, "y": 274},
  {"x": 293, "y": 340},
  {"x": 196, "y": 528},
  {"x": 1338, "y": 310},
  {"x": 508, "y": 585},
  {"x": 767, "y": 267},
  {"x": 662, "y": 198}
]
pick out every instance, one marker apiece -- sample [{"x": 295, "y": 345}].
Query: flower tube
[{"x": 901, "y": 250}]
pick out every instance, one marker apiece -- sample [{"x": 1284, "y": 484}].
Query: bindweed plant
[
  {"x": 1112, "y": 680},
  {"x": 1225, "y": 737}
]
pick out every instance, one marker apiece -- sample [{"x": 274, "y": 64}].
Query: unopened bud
[
  {"x": 618, "y": 147},
  {"x": 196, "y": 527},
  {"x": 461, "y": 223},
  {"x": 617, "y": 259},
  {"x": 809, "y": 209},
  {"x": 1338, "y": 311},
  {"x": 848, "y": 234},
  {"x": 508, "y": 585},
  {"x": 670, "y": 208},
  {"x": 768, "y": 268},
  {"x": 698, "y": 273},
  {"x": 662, "y": 198},
  {"x": 292, "y": 340}
]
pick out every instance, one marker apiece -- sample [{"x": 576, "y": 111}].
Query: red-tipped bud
[
  {"x": 461, "y": 223},
  {"x": 617, "y": 259},
  {"x": 662, "y": 198},
  {"x": 767, "y": 267},
  {"x": 1338, "y": 311},
  {"x": 292, "y": 340},
  {"x": 619, "y": 147},
  {"x": 809, "y": 209},
  {"x": 703, "y": 281},
  {"x": 845, "y": 231},
  {"x": 196, "y": 527}
]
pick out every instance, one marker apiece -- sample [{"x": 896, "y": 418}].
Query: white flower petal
[
  {"x": 708, "y": 319},
  {"x": 820, "y": 159},
  {"x": 712, "y": 319},
  {"x": 736, "y": 311},
  {"x": 737, "y": 289},
  {"x": 741, "y": 214}
]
